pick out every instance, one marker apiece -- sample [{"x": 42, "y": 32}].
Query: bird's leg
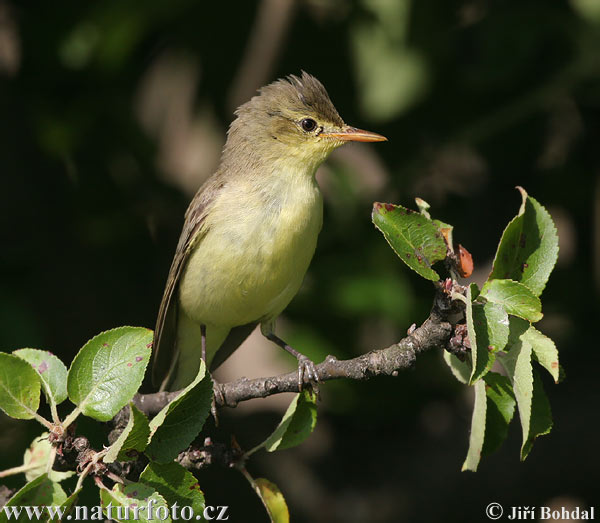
[
  {"x": 203, "y": 342},
  {"x": 213, "y": 406},
  {"x": 306, "y": 367}
]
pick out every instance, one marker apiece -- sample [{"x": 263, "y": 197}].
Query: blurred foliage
[{"x": 475, "y": 96}]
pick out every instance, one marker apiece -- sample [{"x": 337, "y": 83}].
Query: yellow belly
[{"x": 253, "y": 257}]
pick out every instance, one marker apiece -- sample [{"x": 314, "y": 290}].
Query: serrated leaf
[
  {"x": 471, "y": 332},
  {"x": 541, "y": 415},
  {"x": 175, "y": 484},
  {"x": 273, "y": 500},
  {"x": 296, "y": 425},
  {"x": 477, "y": 435},
  {"x": 19, "y": 387},
  {"x": 134, "y": 501},
  {"x": 544, "y": 351},
  {"x": 517, "y": 363},
  {"x": 528, "y": 249},
  {"x": 37, "y": 456},
  {"x": 133, "y": 439},
  {"x": 415, "y": 239},
  {"x": 51, "y": 370},
  {"x": 516, "y": 299},
  {"x": 500, "y": 410},
  {"x": 460, "y": 369},
  {"x": 490, "y": 322},
  {"x": 108, "y": 371},
  {"x": 179, "y": 422},
  {"x": 37, "y": 495}
]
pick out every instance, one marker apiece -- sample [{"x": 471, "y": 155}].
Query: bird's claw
[{"x": 307, "y": 374}]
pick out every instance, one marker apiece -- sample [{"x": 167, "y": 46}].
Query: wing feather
[{"x": 194, "y": 229}]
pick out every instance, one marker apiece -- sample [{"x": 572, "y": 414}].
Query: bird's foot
[
  {"x": 307, "y": 371},
  {"x": 217, "y": 392},
  {"x": 307, "y": 374}
]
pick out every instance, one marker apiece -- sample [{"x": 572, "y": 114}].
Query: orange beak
[{"x": 352, "y": 134}]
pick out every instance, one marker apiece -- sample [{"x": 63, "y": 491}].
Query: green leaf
[
  {"x": 179, "y": 422},
  {"x": 541, "y": 415},
  {"x": 460, "y": 369},
  {"x": 544, "y": 351},
  {"x": 528, "y": 249},
  {"x": 108, "y": 371},
  {"x": 477, "y": 428},
  {"x": 52, "y": 372},
  {"x": 471, "y": 332},
  {"x": 500, "y": 410},
  {"x": 19, "y": 387},
  {"x": 37, "y": 456},
  {"x": 175, "y": 484},
  {"x": 490, "y": 322},
  {"x": 132, "y": 502},
  {"x": 133, "y": 439},
  {"x": 273, "y": 500},
  {"x": 415, "y": 239},
  {"x": 517, "y": 363},
  {"x": 296, "y": 425},
  {"x": 37, "y": 494},
  {"x": 516, "y": 299}
]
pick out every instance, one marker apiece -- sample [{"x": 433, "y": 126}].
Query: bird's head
[{"x": 291, "y": 120}]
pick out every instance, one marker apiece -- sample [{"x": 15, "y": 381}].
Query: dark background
[{"x": 111, "y": 115}]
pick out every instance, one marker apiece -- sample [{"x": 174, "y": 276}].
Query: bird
[{"x": 250, "y": 231}]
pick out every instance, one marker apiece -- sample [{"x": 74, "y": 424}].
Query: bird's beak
[{"x": 352, "y": 134}]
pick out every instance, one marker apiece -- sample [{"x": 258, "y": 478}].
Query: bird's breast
[{"x": 259, "y": 242}]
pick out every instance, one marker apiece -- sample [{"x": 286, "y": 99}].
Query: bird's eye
[{"x": 308, "y": 124}]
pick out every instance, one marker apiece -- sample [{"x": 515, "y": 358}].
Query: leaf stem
[
  {"x": 54, "y": 412},
  {"x": 71, "y": 417},
  {"x": 17, "y": 470},
  {"x": 43, "y": 420}
]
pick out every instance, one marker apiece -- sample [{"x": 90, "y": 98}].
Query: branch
[{"x": 435, "y": 332}]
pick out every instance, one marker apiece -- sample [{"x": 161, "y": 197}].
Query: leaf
[
  {"x": 415, "y": 239},
  {"x": 37, "y": 455},
  {"x": 490, "y": 322},
  {"x": 541, "y": 415},
  {"x": 446, "y": 230},
  {"x": 296, "y": 425},
  {"x": 528, "y": 249},
  {"x": 19, "y": 387},
  {"x": 134, "y": 502},
  {"x": 500, "y": 410},
  {"x": 545, "y": 351},
  {"x": 516, "y": 299},
  {"x": 477, "y": 428},
  {"x": 517, "y": 363},
  {"x": 273, "y": 500},
  {"x": 471, "y": 332},
  {"x": 133, "y": 439},
  {"x": 179, "y": 422},
  {"x": 36, "y": 496},
  {"x": 175, "y": 484},
  {"x": 52, "y": 373},
  {"x": 108, "y": 371},
  {"x": 460, "y": 369}
]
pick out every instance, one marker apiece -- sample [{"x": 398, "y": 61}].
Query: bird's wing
[{"x": 166, "y": 324}]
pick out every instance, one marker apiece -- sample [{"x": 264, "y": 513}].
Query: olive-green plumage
[{"x": 251, "y": 230}]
